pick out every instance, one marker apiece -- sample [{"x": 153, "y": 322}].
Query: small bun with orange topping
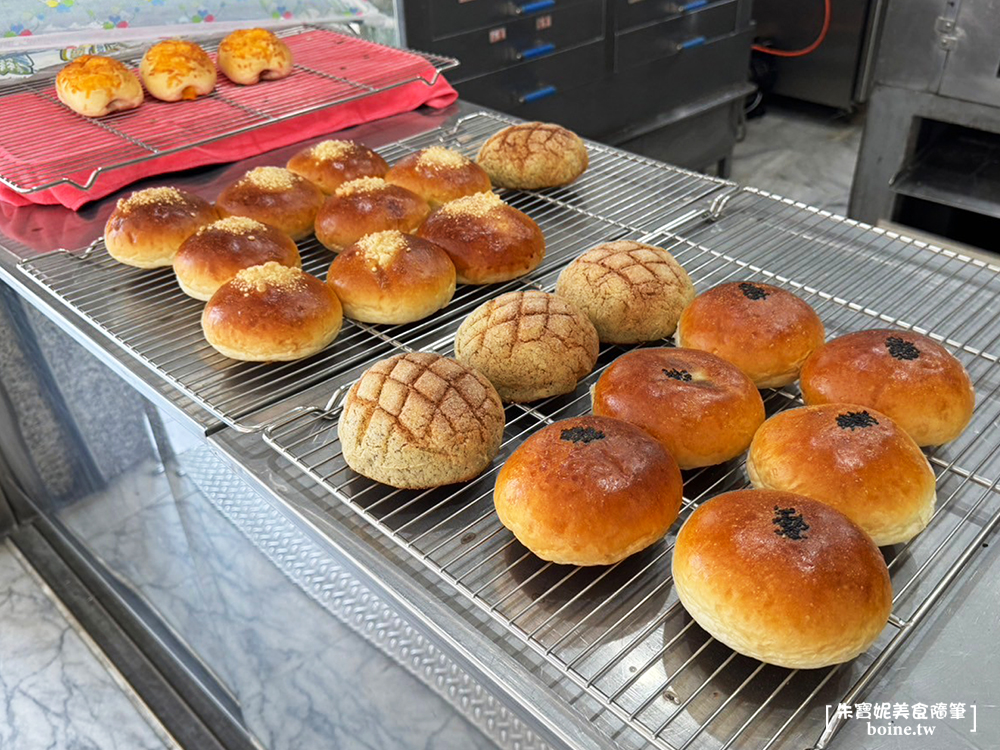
[
  {"x": 251, "y": 55},
  {"x": 173, "y": 70},
  {"x": 365, "y": 206},
  {"x": 271, "y": 313},
  {"x": 274, "y": 196},
  {"x": 488, "y": 241},
  {"x": 701, "y": 408},
  {"x": 217, "y": 252},
  {"x": 146, "y": 229},
  {"x": 439, "y": 175},
  {"x": 94, "y": 86},
  {"x": 329, "y": 164},
  {"x": 392, "y": 278}
]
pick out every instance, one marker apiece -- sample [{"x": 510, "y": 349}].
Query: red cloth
[{"x": 74, "y": 144}]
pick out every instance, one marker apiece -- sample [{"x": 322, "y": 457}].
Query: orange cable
[{"x": 805, "y": 50}]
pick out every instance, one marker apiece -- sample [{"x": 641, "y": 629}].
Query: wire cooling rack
[
  {"x": 146, "y": 314},
  {"x": 43, "y": 144},
  {"x": 622, "y": 648}
]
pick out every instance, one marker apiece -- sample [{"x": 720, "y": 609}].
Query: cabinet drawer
[
  {"x": 674, "y": 35},
  {"x": 496, "y": 48},
  {"x": 450, "y": 17},
  {"x": 630, "y": 14}
]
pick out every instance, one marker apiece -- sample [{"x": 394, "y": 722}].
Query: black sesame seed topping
[
  {"x": 901, "y": 349},
  {"x": 678, "y": 375},
  {"x": 789, "y": 525},
  {"x": 581, "y": 435},
  {"x": 752, "y": 291},
  {"x": 855, "y": 420}
]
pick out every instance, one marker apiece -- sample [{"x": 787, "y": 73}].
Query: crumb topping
[
  {"x": 331, "y": 150},
  {"x": 151, "y": 197},
  {"x": 479, "y": 204},
  {"x": 235, "y": 225},
  {"x": 271, "y": 179},
  {"x": 270, "y": 274},
  {"x": 380, "y": 248},
  {"x": 361, "y": 185},
  {"x": 439, "y": 157}
]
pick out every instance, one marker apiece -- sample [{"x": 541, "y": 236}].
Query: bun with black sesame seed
[
  {"x": 782, "y": 578},
  {"x": 911, "y": 378}
]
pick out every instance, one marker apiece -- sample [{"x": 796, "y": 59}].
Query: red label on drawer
[
  {"x": 498, "y": 35},
  {"x": 543, "y": 22}
]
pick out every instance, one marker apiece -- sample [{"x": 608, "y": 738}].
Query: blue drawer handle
[
  {"x": 536, "y": 6},
  {"x": 693, "y": 5},
  {"x": 540, "y": 51},
  {"x": 534, "y": 96},
  {"x": 696, "y": 42}
]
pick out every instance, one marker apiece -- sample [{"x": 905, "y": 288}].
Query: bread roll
[
  {"x": 908, "y": 377},
  {"x": 419, "y": 420},
  {"x": 274, "y": 196},
  {"x": 271, "y": 313},
  {"x": 488, "y": 241},
  {"x": 217, "y": 252},
  {"x": 782, "y": 578},
  {"x": 533, "y": 155},
  {"x": 855, "y": 460},
  {"x": 762, "y": 329},
  {"x": 173, "y": 70},
  {"x": 588, "y": 491},
  {"x": 392, "y": 278},
  {"x": 701, "y": 408},
  {"x": 329, "y": 164},
  {"x": 439, "y": 175},
  {"x": 630, "y": 291},
  {"x": 94, "y": 86},
  {"x": 366, "y": 206},
  {"x": 251, "y": 55},
  {"x": 531, "y": 345},
  {"x": 146, "y": 229}
]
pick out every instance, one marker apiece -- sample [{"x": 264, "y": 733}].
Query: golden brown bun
[
  {"x": 250, "y": 55},
  {"x": 531, "y": 345},
  {"x": 908, "y": 377},
  {"x": 173, "y": 70},
  {"x": 782, "y": 578},
  {"x": 329, "y": 164},
  {"x": 488, "y": 241},
  {"x": 274, "y": 196},
  {"x": 217, "y": 252},
  {"x": 588, "y": 491},
  {"x": 762, "y": 329},
  {"x": 392, "y": 278},
  {"x": 439, "y": 175},
  {"x": 146, "y": 229},
  {"x": 857, "y": 461},
  {"x": 365, "y": 206},
  {"x": 94, "y": 86},
  {"x": 271, "y": 313},
  {"x": 419, "y": 420},
  {"x": 533, "y": 155},
  {"x": 631, "y": 292},
  {"x": 701, "y": 408}
]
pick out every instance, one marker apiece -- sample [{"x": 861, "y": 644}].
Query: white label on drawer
[
  {"x": 498, "y": 35},
  {"x": 543, "y": 22}
]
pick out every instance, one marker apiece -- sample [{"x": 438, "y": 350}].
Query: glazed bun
[
  {"x": 251, "y": 55},
  {"x": 274, "y": 196},
  {"x": 588, "y": 491},
  {"x": 857, "y": 461},
  {"x": 146, "y": 229},
  {"x": 630, "y": 291},
  {"x": 366, "y": 206},
  {"x": 762, "y": 329},
  {"x": 782, "y": 578},
  {"x": 392, "y": 278},
  {"x": 533, "y": 155},
  {"x": 439, "y": 175},
  {"x": 488, "y": 241},
  {"x": 908, "y": 377},
  {"x": 94, "y": 86},
  {"x": 531, "y": 345},
  {"x": 419, "y": 420},
  {"x": 701, "y": 408},
  {"x": 173, "y": 70},
  {"x": 218, "y": 251},
  {"x": 329, "y": 164},
  {"x": 271, "y": 313}
]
